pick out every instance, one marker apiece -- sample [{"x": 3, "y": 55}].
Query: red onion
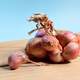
[
  {"x": 50, "y": 43},
  {"x": 71, "y": 51},
  {"x": 65, "y": 37},
  {"x": 16, "y": 59},
  {"x": 34, "y": 48}
]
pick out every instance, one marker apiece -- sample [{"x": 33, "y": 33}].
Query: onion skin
[
  {"x": 16, "y": 59},
  {"x": 56, "y": 57},
  {"x": 78, "y": 37},
  {"x": 40, "y": 33},
  {"x": 71, "y": 51},
  {"x": 66, "y": 37},
  {"x": 50, "y": 43},
  {"x": 34, "y": 48}
]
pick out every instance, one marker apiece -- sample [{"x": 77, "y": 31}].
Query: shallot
[
  {"x": 34, "y": 48},
  {"x": 16, "y": 59},
  {"x": 66, "y": 37},
  {"x": 71, "y": 51},
  {"x": 51, "y": 43}
]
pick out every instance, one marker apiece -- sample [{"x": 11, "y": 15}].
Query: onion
[
  {"x": 16, "y": 59},
  {"x": 71, "y": 51},
  {"x": 34, "y": 48},
  {"x": 66, "y": 37},
  {"x": 50, "y": 43}
]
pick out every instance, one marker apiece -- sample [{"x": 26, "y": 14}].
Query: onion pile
[
  {"x": 56, "y": 46},
  {"x": 60, "y": 47}
]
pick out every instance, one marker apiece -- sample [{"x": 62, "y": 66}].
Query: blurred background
[{"x": 14, "y": 14}]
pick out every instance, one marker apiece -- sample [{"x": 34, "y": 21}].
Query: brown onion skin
[
  {"x": 56, "y": 57},
  {"x": 16, "y": 59},
  {"x": 34, "y": 48},
  {"x": 50, "y": 43},
  {"x": 78, "y": 37},
  {"x": 66, "y": 37},
  {"x": 71, "y": 51}
]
